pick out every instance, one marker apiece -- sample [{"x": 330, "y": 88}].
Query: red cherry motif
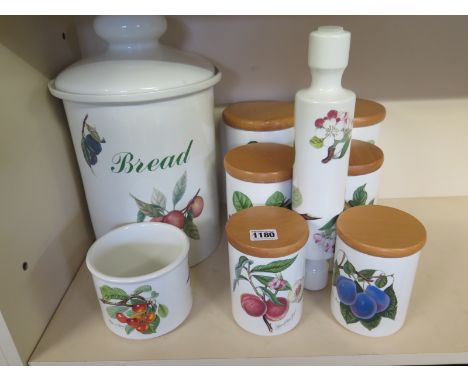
[
  {"x": 150, "y": 317},
  {"x": 176, "y": 218},
  {"x": 121, "y": 318},
  {"x": 332, "y": 114},
  {"x": 133, "y": 322},
  {"x": 139, "y": 308},
  {"x": 319, "y": 122},
  {"x": 142, "y": 327},
  {"x": 197, "y": 206}
]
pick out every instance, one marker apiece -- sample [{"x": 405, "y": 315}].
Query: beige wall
[{"x": 44, "y": 219}]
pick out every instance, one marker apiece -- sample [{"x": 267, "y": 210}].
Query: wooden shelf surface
[{"x": 435, "y": 332}]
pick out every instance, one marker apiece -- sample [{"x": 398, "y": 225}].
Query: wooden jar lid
[
  {"x": 381, "y": 231},
  {"x": 367, "y": 113},
  {"x": 260, "y": 162},
  {"x": 364, "y": 158},
  {"x": 260, "y": 115},
  {"x": 292, "y": 231}
]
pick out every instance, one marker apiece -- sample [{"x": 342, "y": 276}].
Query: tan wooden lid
[
  {"x": 291, "y": 228},
  {"x": 367, "y": 113},
  {"x": 381, "y": 231},
  {"x": 260, "y": 115},
  {"x": 260, "y": 162},
  {"x": 364, "y": 158}
]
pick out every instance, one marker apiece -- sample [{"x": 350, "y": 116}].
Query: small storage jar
[
  {"x": 142, "y": 124},
  {"x": 258, "y": 121},
  {"x": 362, "y": 183},
  {"x": 376, "y": 257},
  {"x": 266, "y": 267},
  {"x": 258, "y": 174},
  {"x": 368, "y": 117}
]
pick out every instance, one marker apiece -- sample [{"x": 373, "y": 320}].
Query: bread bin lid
[
  {"x": 364, "y": 158},
  {"x": 260, "y": 115},
  {"x": 260, "y": 162},
  {"x": 368, "y": 113},
  {"x": 381, "y": 231},
  {"x": 292, "y": 231},
  {"x": 135, "y": 67}
]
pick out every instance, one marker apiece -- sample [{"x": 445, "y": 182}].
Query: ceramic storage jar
[
  {"x": 266, "y": 267},
  {"x": 362, "y": 183},
  {"x": 258, "y": 174},
  {"x": 142, "y": 124},
  {"x": 368, "y": 117},
  {"x": 376, "y": 257},
  {"x": 258, "y": 121}
]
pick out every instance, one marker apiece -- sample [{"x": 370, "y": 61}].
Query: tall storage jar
[{"x": 141, "y": 120}]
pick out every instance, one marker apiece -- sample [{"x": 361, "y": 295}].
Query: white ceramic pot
[
  {"x": 365, "y": 166},
  {"x": 141, "y": 275},
  {"x": 368, "y": 119},
  {"x": 258, "y": 175},
  {"x": 374, "y": 268},
  {"x": 266, "y": 265},
  {"x": 141, "y": 120}
]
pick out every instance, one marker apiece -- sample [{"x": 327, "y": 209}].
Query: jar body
[
  {"x": 362, "y": 189},
  {"x": 241, "y": 194},
  {"x": 153, "y": 158},
  {"x": 368, "y": 134},
  {"x": 370, "y": 295},
  {"x": 253, "y": 305}
]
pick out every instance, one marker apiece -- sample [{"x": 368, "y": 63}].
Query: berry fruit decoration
[
  {"x": 91, "y": 143},
  {"x": 138, "y": 310},
  {"x": 156, "y": 210},
  {"x": 366, "y": 296}
]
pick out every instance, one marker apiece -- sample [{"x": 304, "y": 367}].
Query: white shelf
[{"x": 435, "y": 332}]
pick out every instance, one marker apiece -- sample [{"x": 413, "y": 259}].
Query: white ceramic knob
[{"x": 329, "y": 48}]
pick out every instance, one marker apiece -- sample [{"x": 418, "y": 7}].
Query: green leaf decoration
[
  {"x": 179, "y": 189},
  {"x": 241, "y": 201},
  {"x": 391, "y": 311},
  {"x": 271, "y": 295},
  {"x": 287, "y": 286},
  {"x": 263, "y": 279},
  {"x": 109, "y": 293},
  {"x": 140, "y": 216},
  {"x": 163, "y": 310},
  {"x": 158, "y": 198},
  {"x": 238, "y": 270},
  {"x": 348, "y": 268},
  {"x": 276, "y": 199},
  {"x": 367, "y": 273},
  {"x": 358, "y": 287},
  {"x": 275, "y": 266},
  {"x": 94, "y": 134},
  {"x": 381, "y": 281},
  {"x": 113, "y": 310},
  {"x": 336, "y": 273},
  {"x": 142, "y": 289},
  {"x": 330, "y": 225},
  {"x": 137, "y": 300},
  {"x": 153, "y": 325},
  {"x": 129, "y": 329},
  {"x": 346, "y": 145},
  {"x": 316, "y": 142},
  {"x": 348, "y": 316},
  {"x": 371, "y": 141},
  {"x": 360, "y": 196},
  {"x": 372, "y": 323},
  {"x": 191, "y": 229},
  {"x": 147, "y": 209},
  {"x": 154, "y": 294},
  {"x": 296, "y": 197}
]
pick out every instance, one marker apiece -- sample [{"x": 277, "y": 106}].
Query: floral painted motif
[
  {"x": 135, "y": 311},
  {"x": 241, "y": 201},
  {"x": 91, "y": 143},
  {"x": 359, "y": 198},
  {"x": 156, "y": 210},
  {"x": 266, "y": 301},
  {"x": 362, "y": 295},
  {"x": 326, "y": 237},
  {"x": 334, "y": 132}
]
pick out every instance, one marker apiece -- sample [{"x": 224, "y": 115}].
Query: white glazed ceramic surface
[
  {"x": 285, "y": 284},
  {"x": 362, "y": 189},
  {"x": 367, "y": 133},
  {"x": 392, "y": 277},
  {"x": 241, "y": 194},
  {"x": 156, "y": 154},
  {"x": 140, "y": 272}
]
